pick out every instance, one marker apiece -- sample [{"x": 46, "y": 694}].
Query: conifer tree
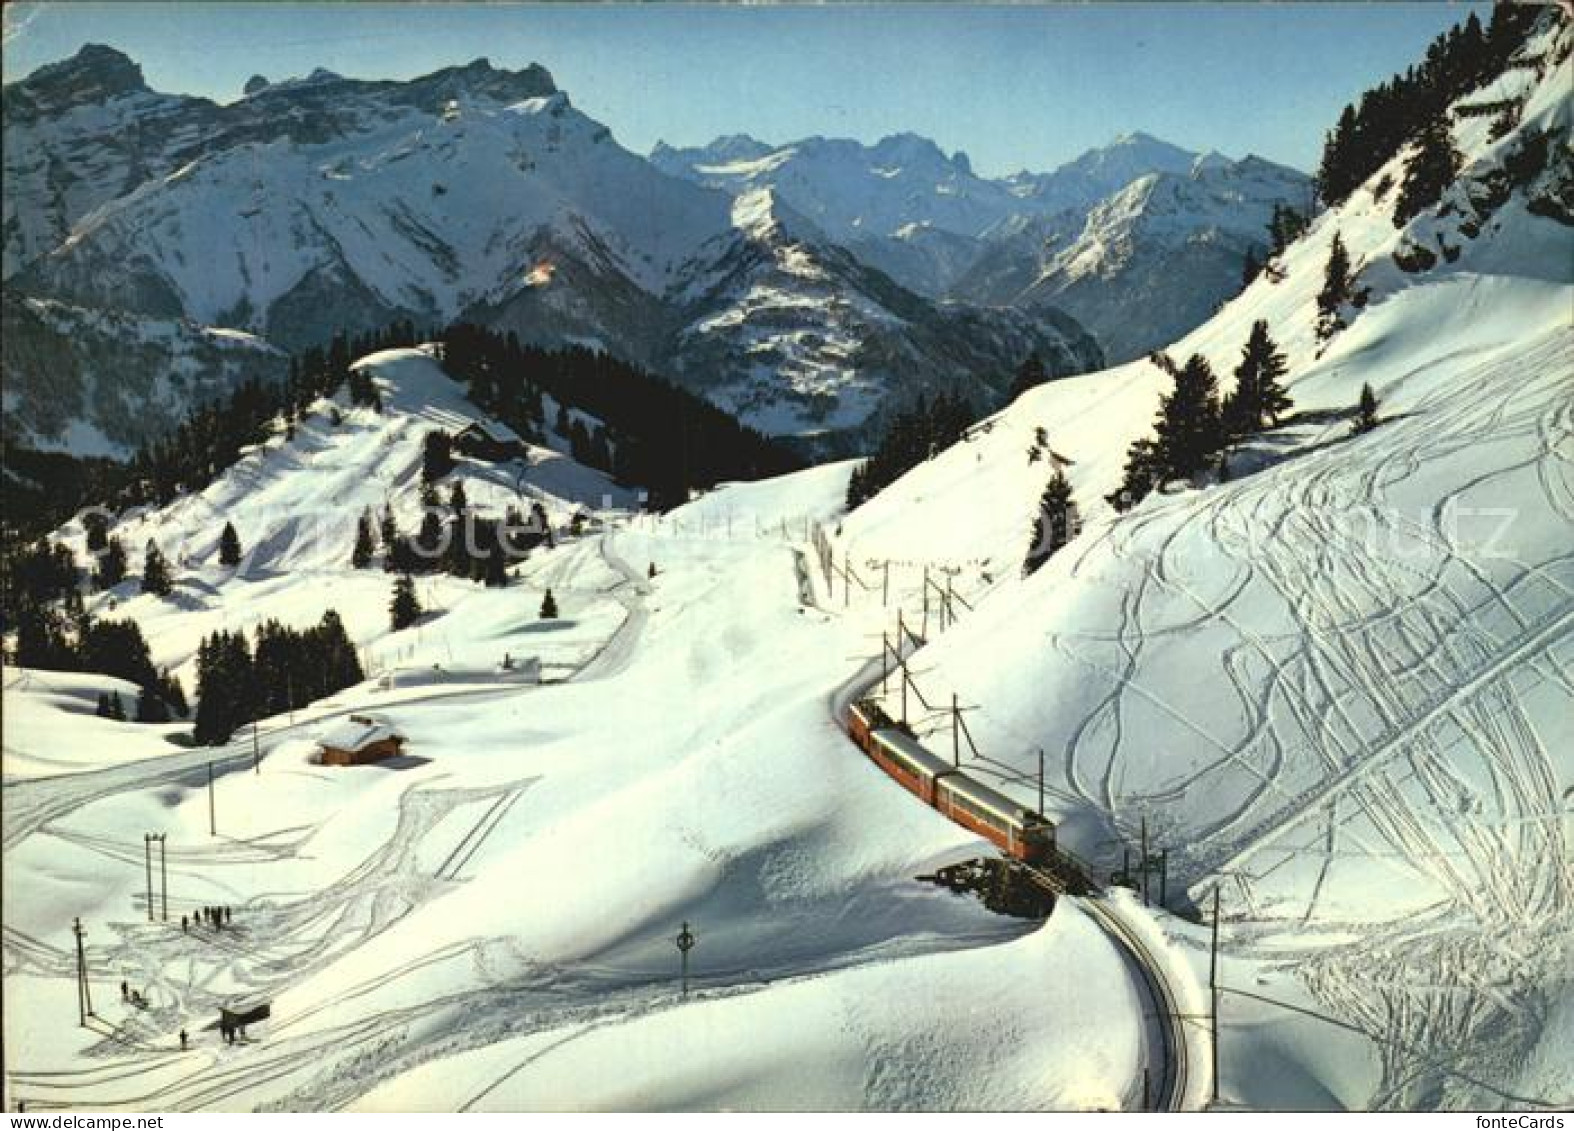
[
  {"x": 41, "y": 640},
  {"x": 1259, "y": 396},
  {"x": 1250, "y": 268},
  {"x": 539, "y": 519},
  {"x": 117, "y": 648},
  {"x": 1188, "y": 428},
  {"x": 117, "y": 707},
  {"x": 226, "y": 687},
  {"x": 437, "y": 456},
  {"x": 229, "y": 546},
  {"x": 1030, "y": 374},
  {"x": 365, "y": 542},
  {"x": 1431, "y": 169},
  {"x": 151, "y": 708},
  {"x": 1365, "y": 412},
  {"x": 339, "y": 662},
  {"x": 155, "y": 572},
  {"x": 173, "y": 694},
  {"x": 405, "y": 608},
  {"x": 96, "y": 526},
  {"x": 111, "y": 565},
  {"x": 1053, "y": 524},
  {"x": 548, "y": 606},
  {"x": 1337, "y": 290},
  {"x": 1140, "y": 477}
]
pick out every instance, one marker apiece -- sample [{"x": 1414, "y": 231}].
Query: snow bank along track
[{"x": 1029, "y": 839}]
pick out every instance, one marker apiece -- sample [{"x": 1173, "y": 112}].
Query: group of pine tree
[
  {"x": 280, "y": 670},
  {"x": 651, "y": 433},
  {"x": 452, "y": 538},
  {"x": 1414, "y": 105},
  {"x": 58, "y": 634},
  {"x": 913, "y": 435},
  {"x": 1196, "y": 426}
]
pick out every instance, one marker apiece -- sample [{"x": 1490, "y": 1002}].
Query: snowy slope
[
  {"x": 295, "y": 504},
  {"x": 488, "y": 923},
  {"x": 1337, "y": 686}
]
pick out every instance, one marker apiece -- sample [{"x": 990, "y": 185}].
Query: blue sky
[{"x": 1015, "y": 86}]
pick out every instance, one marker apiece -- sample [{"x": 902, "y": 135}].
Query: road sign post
[{"x": 685, "y": 941}]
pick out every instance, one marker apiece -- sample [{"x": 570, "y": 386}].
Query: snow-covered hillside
[
  {"x": 1334, "y": 690},
  {"x": 1337, "y": 687},
  {"x": 486, "y": 922},
  {"x": 295, "y": 502}
]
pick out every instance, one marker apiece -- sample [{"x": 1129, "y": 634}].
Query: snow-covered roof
[{"x": 356, "y": 733}]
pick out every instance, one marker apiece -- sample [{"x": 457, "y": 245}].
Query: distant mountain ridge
[
  {"x": 325, "y": 203},
  {"x": 1140, "y": 239}
]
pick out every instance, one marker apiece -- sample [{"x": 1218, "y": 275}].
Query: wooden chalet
[{"x": 358, "y": 740}]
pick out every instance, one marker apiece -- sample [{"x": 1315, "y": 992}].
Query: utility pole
[
  {"x": 1040, "y": 781},
  {"x": 885, "y": 660},
  {"x": 685, "y": 941},
  {"x": 926, "y": 603},
  {"x": 1213, "y": 994},
  {"x": 956, "y": 749},
  {"x": 1144, "y": 860},
  {"x": 1164, "y": 875},
  {"x": 213, "y": 818},
  {"x": 147, "y": 861},
  {"x": 84, "y": 995},
  {"x": 847, "y": 579},
  {"x": 885, "y": 586}
]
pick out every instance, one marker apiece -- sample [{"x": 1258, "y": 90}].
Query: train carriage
[
  {"x": 1019, "y": 831},
  {"x": 904, "y": 758},
  {"x": 1023, "y": 833}
]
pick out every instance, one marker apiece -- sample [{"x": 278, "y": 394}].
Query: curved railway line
[{"x": 1169, "y": 1090}]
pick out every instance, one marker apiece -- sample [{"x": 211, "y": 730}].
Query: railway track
[{"x": 1170, "y": 1092}]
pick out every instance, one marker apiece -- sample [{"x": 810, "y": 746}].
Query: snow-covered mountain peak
[
  {"x": 95, "y": 74},
  {"x": 725, "y": 150}
]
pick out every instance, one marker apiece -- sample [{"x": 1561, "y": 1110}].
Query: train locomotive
[{"x": 1019, "y": 832}]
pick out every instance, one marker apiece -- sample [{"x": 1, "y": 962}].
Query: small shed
[
  {"x": 358, "y": 740},
  {"x": 479, "y": 442}
]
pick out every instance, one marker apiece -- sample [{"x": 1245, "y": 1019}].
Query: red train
[{"x": 1020, "y": 832}]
